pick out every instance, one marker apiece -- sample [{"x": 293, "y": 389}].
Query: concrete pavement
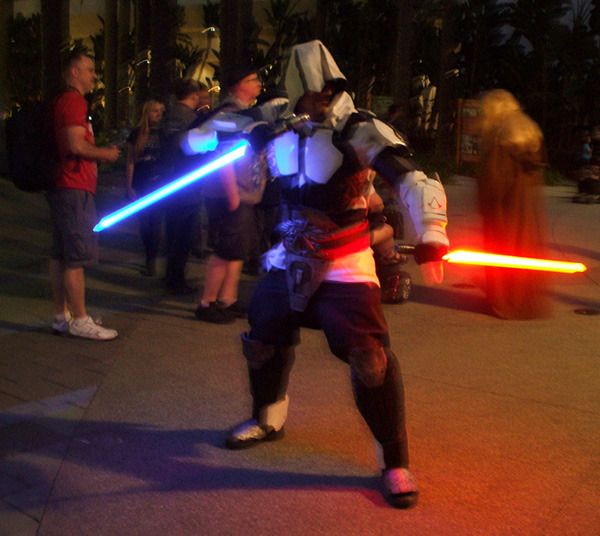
[{"x": 126, "y": 437}]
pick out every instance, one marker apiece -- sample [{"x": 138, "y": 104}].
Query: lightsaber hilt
[{"x": 405, "y": 249}]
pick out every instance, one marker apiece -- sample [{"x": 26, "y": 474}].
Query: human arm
[
  {"x": 129, "y": 167},
  {"x": 73, "y": 137},
  {"x": 425, "y": 201},
  {"x": 228, "y": 180}
]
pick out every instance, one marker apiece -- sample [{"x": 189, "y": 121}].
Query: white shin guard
[{"x": 274, "y": 415}]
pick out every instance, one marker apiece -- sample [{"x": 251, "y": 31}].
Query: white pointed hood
[{"x": 309, "y": 68}]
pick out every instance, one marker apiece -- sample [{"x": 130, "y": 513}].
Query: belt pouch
[{"x": 303, "y": 276}]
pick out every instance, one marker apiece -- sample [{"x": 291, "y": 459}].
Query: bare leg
[
  {"x": 216, "y": 270},
  {"x": 75, "y": 290},
  {"x": 229, "y": 289},
  {"x": 57, "y": 283}
]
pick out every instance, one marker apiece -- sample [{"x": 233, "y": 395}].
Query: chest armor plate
[{"x": 312, "y": 159}]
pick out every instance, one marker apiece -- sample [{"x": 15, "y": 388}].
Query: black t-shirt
[{"x": 146, "y": 170}]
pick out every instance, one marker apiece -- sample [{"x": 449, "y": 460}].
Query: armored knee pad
[
  {"x": 368, "y": 365},
  {"x": 256, "y": 352}
]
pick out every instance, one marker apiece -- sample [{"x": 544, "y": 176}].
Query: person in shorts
[
  {"x": 72, "y": 202},
  {"x": 230, "y": 198}
]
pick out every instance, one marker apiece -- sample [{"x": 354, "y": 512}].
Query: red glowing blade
[{"x": 478, "y": 258}]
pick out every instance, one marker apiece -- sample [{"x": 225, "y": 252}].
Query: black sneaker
[
  {"x": 214, "y": 314},
  {"x": 236, "y": 309}
]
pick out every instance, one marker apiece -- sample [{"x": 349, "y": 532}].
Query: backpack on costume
[{"x": 31, "y": 147}]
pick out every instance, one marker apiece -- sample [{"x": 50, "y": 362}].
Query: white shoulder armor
[{"x": 369, "y": 138}]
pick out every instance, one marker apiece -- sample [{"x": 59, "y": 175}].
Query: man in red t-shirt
[{"x": 72, "y": 204}]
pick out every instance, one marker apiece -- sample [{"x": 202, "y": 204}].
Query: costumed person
[
  {"x": 322, "y": 273},
  {"x": 511, "y": 204},
  {"x": 143, "y": 176}
]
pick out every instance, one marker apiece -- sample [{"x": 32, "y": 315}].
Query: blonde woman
[
  {"x": 143, "y": 153},
  {"x": 511, "y": 204}
]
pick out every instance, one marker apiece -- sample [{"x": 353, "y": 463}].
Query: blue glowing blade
[{"x": 139, "y": 204}]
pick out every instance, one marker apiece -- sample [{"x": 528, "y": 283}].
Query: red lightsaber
[{"x": 479, "y": 258}]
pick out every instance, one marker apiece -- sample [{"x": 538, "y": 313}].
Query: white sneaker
[
  {"x": 61, "y": 323},
  {"x": 88, "y": 329},
  {"x": 400, "y": 488}
]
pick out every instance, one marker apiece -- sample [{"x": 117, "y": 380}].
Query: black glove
[
  {"x": 260, "y": 135},
  {"x": 429, "y": 253}
]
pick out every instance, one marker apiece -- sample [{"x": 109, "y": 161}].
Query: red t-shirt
[{"x": 71, "y": 109}]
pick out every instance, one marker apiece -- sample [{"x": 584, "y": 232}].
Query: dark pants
[
  {"x": 180, "y": 222},
  {"x": 150, "y": 231},
  {"x": 351, "y": 317}
]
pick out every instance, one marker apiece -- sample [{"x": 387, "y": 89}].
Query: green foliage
[
  {"x": 289, "y": 27},
  {"x": 24, "y": 60}
]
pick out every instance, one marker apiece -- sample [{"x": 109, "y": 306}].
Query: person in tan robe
[{"x": 511, "y": 203}]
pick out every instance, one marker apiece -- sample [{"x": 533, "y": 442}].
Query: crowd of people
[{"x": 314, "y": 177}]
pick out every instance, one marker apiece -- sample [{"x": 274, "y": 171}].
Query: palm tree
[
  {"x": 123, "y": 57},
  {"x": 401, "y": 55},
  {"x": 236, "y": 24},
  {"x": 445, "y": 101},
  {"x": 481, "y": 36},
  {"x": 288, "y": 26},
  {"x": 6, "y": 15},
  {"x": 110, "y": 64},
  {"x": 141, "y": 66},
  {"x": 24, "y": 62},
  {"x": 538, "y": 25},
  {"x": 55, "y": 40},
  {"x": 163, "y": 38}
]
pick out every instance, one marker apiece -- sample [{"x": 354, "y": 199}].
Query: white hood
[{"x": 310, "y": 66}]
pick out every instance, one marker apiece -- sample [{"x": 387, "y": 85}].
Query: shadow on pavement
[{"x": 161, "y": 458}]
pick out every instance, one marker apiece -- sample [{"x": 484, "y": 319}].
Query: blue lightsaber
[{"x": 169, "y": 189}]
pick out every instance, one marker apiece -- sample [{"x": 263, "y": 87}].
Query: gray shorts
[{"x": 73, "y": 214}]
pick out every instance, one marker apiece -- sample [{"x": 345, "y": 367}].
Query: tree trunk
[
  {"x": 445, "y": 97},
  {"x": 110, "y": 64},
  {"x": 401, "y": 56},
  {"x": 163, "y": 36},
  {"x": 236, "y": 24},
  {"x": 6, "y": 14},
  {"x": 142, "y": 49},
  {"x": 123, "y": 63},
  {"x": 55, "y": 39}
]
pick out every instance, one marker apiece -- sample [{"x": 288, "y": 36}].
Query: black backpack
[{"x": 31, "y": 147}]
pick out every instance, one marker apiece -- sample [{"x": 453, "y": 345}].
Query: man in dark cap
[{"x": 230, "y": 199}]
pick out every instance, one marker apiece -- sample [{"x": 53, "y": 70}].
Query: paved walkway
[{"x": 126, "y": 437}]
